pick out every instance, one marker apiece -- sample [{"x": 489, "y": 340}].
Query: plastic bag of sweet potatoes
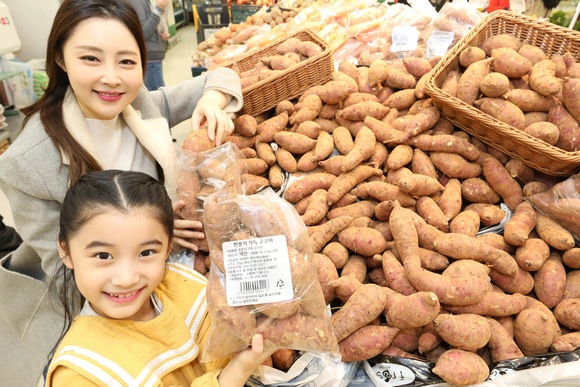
[{"x": 262, "y": 277}]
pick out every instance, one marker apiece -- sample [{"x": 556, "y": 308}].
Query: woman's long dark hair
[
  {"x": 93, "y": 194},
  {"x": 49, "y": 106}
]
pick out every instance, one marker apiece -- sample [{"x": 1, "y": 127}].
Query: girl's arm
[
  {"x": 177, "y": 103},
  {"x": 237, "y": 372}
]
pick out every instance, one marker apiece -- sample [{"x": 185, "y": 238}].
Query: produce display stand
[
  {"x": 241, "y": 11},
  {"x": 288, "y": 84},
  {"x": 212, "y": 17},
  {"x": 535, "y": 153}
]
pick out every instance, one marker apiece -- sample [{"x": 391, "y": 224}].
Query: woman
[{"x": 95, "y": 115}]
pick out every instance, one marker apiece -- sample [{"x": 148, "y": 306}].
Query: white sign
[
  {"x": 438, "y": 43},
  {"x": 404, "y": 38},
  {"x": 257, "y": 271}
]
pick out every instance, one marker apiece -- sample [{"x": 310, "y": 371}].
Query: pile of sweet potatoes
[
  {"x": 521, "y": 86},
  {"x": 393, "y": 200}
]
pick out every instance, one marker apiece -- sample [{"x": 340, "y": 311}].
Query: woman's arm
[{"x": 177, "y": 103}]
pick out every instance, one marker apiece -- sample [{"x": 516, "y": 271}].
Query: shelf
[{"x": 9, "y": 74}]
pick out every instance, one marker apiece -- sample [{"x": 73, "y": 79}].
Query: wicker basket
[
  {"x": 288, "y": 84},
  {"x": 513, "y": 142}
]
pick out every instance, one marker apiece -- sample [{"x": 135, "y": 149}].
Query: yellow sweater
[{"x": 165, "y": 351}]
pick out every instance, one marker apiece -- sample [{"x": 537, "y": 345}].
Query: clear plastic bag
[
  {"x": 252, "y": 238},
  {"x": 198, "y": 175},
  {"x": 561, "y": 203}
]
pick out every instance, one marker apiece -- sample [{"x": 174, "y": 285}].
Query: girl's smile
[{"x": 124, "y": 297}]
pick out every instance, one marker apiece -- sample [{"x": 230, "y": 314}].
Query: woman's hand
[
  {"x": 209, "y": 108},
  {"x": 240, "y": 368},
  {"x": 182, "y": 229}
]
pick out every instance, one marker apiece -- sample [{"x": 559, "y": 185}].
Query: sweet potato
[
  {"x": 395, "y": 275},
  {"x": 365, "y": 241},
  {"x": 553, "y": 234},
  {"x": 366, "y": 343},
  {"x": 543, "y": 78},
  {"x": 306, "y": 163},
  {"x": 451, "y": 83},
  {"x": 476, "y": 190},
  {"x": 364, "y": 208},
  {"x": 285, "y": 106},
  {"x": 499, "y": 41},
  {"x": 455, "y": 166},
  {"x": 326, "y": 125},
  {"x": 356, "y": 98},
  {"x": 337, "y": 253},
  {"x": 307, "y": 185},
  {"x": 532, "y": 53},
  {"x": 341, "y": 77},
  {"x": 326, "y": 274},
  {"x": 572, "y": 288},
  {"x": 254, "y": 166},
  {"x": 294, "y": 142},
  {"x": 494, "y": 85},
  {"x": 445, "y": 143},
  {"x": 363, "y": 82},
  {"x": 471, "y": 55},
  {"x": 571, "y": 258},
  {"x": 492, "y": 304},
  {"x": 533, "y": 188},
  {"x": 501, "y": 344},
  {"x": 419, "y": 185},
  {"x": 502, "y": 183},
  {"x": 400, "y": 100},
  {"x": 246, "y": 125},
  {"x": 286, "y": 160},
  {"x": 345, "y": 287},
  {"x": 309, "y": 110},
  {"x": 530, "y": 100},
  {"x": 253, "y": 183},
  {"x": 421, "y": 164},
  {"x": 520, "y": 171},
  {"x": 569, "y": 130},
  {"x": 363, "y": 147},
  {"x": 571, "y": 96},
  {"x": 400, "y": 79},
  {"x": 317, "y": 208},
  {"x": 519, "y": 227},
  {"x": 448, "y": 290},
  {"x": 249, "y": 153},
  {"x": 355, "y": 267},
  {"x": 378, "y": 72},
  {"x": 433, "y": 215},
  {"x": 503, "y": 111},
  {"x": 275, "y": 124},
  {"x": 420, "y": 90},
  {"x": 572, "y": 68},
  {"x": 198, "y": 141},
  {"x": 468, "y": 86},
  {"x": 352, "y": 126},
  {"x": 461, "y": 368},
  {"x": 283, "y": 358},
  {"x": 491, "y": 215},
  {"x": 558, "y": 61},
  {"x": 466, "y": 267},
  {"x": 532, "y": 254},
  {"x": 342, "y": 140},
  {"x": 550, "y": 281},
  {"x": 378, "y": 156},
  {"x": 333, "y": 92},
  {"x": 450, "y": 201},
  {"x": 345, "y": 182},
  {"x": 417, "y": 66},
  {"x": 460, "y": 246},
  {"x": 534, "y": 117},
  {"x": 275, "y": 176},
  {"x": 497, "y": 241},
  {"x": 407, "y": 340},
  {"x": 414, "y": 311},
  {"x": 533, "y": 332},
  {"x": 466, "y": 222},
  {"x": 366, "y": 304},
  {"x": 568, "y": 313},
  {"x": 508, "y": 62},
  {"x": 468, "y": 331},
  {"x": 522, "y": 282},
  {"x": 400, "y": 156},
  {"x": 309, "y": 129},
  {"x": 359, "y": 111},
  {"x": 566, "y": 343}
]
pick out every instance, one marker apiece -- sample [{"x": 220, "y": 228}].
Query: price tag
[
  {"x": 404, "y": 38},
  {"x": 438, "y": 43},
  {"x": 257, "y": 271}
]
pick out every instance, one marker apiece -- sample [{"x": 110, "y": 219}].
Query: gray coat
[
  {"x": 31, "y": 178},
  {"x": 149, "y": 22}
]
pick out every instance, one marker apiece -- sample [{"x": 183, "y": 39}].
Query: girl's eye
[
  {"x": 128, "y": 62},
  {"x": 90, "y": 58},
  {"x": 147, "y": 253},
  {"x": 103, "y": 256}
]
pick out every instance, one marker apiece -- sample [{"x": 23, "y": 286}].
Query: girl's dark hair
[
  {"x": 96, "y": 193},
  {"x": 68, "y": 16}
]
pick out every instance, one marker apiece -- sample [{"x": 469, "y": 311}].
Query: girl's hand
[
  {"x": 240, "y": 368},
  {"x": 209, "y": 108},
  {"x": 182, "y": 229}
]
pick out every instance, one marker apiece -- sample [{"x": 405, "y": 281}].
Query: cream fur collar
[{"x": 153, "y": 134}]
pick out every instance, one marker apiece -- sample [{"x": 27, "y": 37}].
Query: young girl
[
  {"x": 144, "y": 321},
  {"x": 95, "y": 115}
]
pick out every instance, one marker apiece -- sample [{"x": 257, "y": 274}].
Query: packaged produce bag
[
  {"x": 199, "y": 174},
  {"x": 262, "y": 277},
  {"x": 561, "y": 203}
]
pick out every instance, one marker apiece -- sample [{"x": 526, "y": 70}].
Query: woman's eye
[
  {"x": 103, "y": 256},
  {"x": 128, "y": 62},
  {"x": 90, "y": 58},
  {"x": 147, "y": 253}
]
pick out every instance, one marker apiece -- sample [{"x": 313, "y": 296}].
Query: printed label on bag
[
  {"x": 438, "y": 43},
  {"x": 404, "y": 38},
  {"x": 257, "y": 271},
  {"x": 394, "y": 374}
]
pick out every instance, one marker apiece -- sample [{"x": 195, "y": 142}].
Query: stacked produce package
[
  {"x": 396, "y": 200},
  {"x": 359, "y": 31}
]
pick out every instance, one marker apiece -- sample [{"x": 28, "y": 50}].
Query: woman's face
[{"x": 103, "y": 64}]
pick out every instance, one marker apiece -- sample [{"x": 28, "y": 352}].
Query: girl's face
[
  {"x": 118, "y": 260},
  {"x": 103, "y": 64}
]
